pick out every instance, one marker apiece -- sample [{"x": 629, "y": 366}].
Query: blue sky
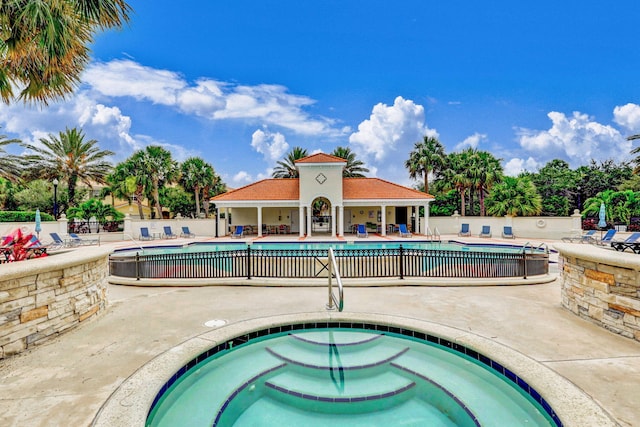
[{"x": 240, "y": 83}]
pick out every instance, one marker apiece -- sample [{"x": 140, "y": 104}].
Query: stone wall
[
  {"x": 41, "y": 298},
  {"x": 602, "y": 285}
]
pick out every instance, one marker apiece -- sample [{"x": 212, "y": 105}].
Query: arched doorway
[{"x": 321, "y": 216}]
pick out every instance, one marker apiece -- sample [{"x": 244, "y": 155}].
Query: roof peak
[{"x": 321, "y": 158}]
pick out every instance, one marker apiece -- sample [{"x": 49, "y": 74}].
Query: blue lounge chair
[
  {"x": 238, "y": 232},
  {"x": 362, "y": 231},
  {"x": 629, "y": 243},
  {"x": 78, "y": 241},
  {"x": 464, "y": 230},
  {"x": 585, "y": 238},
  {"x": 186, "y": 232},
  {"x": 607, "y": 238},
  {"x": 144, "y": 234},
  {"x": 402, "y": 229},
  {"x": 58, "y": 241},
  {"x": 168, "y": 233},
  {"x": 507, "y": 232},
  {"x": 486, "y": 231}
]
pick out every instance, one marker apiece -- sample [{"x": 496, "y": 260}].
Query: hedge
[{"x": 23, "y": 216}]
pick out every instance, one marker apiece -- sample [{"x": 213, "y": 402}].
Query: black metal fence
[
  {"x": 313, "y": 263},
  {"x": 83, "y": 226}
]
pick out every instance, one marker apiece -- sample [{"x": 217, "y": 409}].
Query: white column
[
  {"x": 301, "y": 221},
  {"x": 426, "y": 219},
  {"x": 333, "y": 220},
  {"x": 383, "y": 218},
  {"x": 309, "y": 220},
  {"x": 341, "y": 221},
  {"x": 259, "y": 221}
]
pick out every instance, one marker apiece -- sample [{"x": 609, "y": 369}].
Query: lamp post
[{"x": 55, "y": 198}]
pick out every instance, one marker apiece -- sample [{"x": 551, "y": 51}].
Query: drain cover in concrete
[{"x": 215, "y": 323}]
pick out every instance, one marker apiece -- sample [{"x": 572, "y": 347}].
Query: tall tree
[
  {"x": 128, "y": 182},
  {"x": 69, "y": 157},
  {"x": 455, "y": 176},
  {"x": 427, "y": 156},
  {"x": 195, "y": 174},
  {"x": 44, "y": 44},
  {"x": 515, "y": 197},
  {"x": 157, "y": 163},
  {"x": 555, "y": 182},
  {"x": 212, "y": 188},
  {"x": 287, "y": 168},
  {"x": 9, "y": 164},
  {"x": 354, "y": 168},
  {"x": 486, "y": 171}
]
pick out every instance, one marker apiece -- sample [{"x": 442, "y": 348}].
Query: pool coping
[
  {"x": 347, "y": 282},
  {"x": 129, "y": 404}
]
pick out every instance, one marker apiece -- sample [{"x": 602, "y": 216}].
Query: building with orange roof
[{"x": 322, "y": 201}]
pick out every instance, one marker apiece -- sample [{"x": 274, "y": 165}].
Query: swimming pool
[{"x": 346, "y": 376}]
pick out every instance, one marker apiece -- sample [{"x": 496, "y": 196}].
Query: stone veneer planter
[
  {"x": 602, "y": 285},
  {"x": 41, "y": 298}
]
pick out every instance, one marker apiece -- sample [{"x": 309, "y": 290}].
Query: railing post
[
  {"x": 137, "y": 266},
  {"x": 330, "y": 304},
  {"x": 248, "y": 262},
  {"x": 401, "y": 263}
]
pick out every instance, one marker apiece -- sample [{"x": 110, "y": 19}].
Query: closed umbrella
[
  {"x": 602, "y": 222},
  {"x": 38, "y": 223}
]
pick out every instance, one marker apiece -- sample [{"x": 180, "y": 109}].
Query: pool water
[
  {"x": 213, "y": 247},
  {"x": 349, "y": 377}
]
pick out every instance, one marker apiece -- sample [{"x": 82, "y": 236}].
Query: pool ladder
[
  {"x": 433, "y": 235},
  {"x": 542, "y": 246},
  {"x": 335, "y": 302}
]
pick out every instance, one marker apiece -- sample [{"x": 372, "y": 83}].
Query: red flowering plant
[{"x": 21, "y": 244}]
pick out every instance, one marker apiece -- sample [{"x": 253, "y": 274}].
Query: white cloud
[
  {"x": 268, "y": 104},
  {"x": 516, "y": 166},
  {"x": 628, "y": 116},
  {"x": 271, "y": 145},
  {"x": 390, "y": 127},
  {"x": 241, "y": 178},
  {"x": 471, "y": 141},
  {"x": 577, "y": 139}
]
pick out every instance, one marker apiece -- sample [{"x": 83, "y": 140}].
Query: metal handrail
[{"x": 333, "y": 269}]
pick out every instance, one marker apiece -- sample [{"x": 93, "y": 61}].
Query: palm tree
[
  {"x": 427, "y": 156},
  {"x": 126, "y": 182},
  {"x": 157, "y": 163},
  {"x": 212, "y": 188},
  {"x": 287, "y": 168},
  {"x": 454, "y": 178},
  {"x": 636, "y": 150},
  {"x": 68, "y": 156},
  {"x": 44, "y": 44},
  {"x": 514, "y": 196},
  {"x": 9, "y": 164},
  {"x": 354, "y": 168},
  {"x": 486, "y": 171},
  {"x": 195, "y": 174}
]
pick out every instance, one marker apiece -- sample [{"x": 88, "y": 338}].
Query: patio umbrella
[
  {"x": 602, "y": 222},
  {"x": 38, "y": 223}
]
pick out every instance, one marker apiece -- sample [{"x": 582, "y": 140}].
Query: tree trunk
[
  {"x": 426, "y": 181},
  {"x": 196, "y": 190},
  {"x": 156, "y": 199}
]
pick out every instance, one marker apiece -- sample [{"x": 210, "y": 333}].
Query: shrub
[{"x": 23, "y": 216}]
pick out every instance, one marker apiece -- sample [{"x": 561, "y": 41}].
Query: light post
[{"x": 55, "y": 198}]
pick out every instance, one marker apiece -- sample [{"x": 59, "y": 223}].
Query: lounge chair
[
  {"x": 362, "y": 231},
  {"x": 144, "y": 234},
  {"x": 78, "y": 241},
  {"x": 607, "y": 238},
  {"x": 464, "y": 230},
  {"x": 59, "y": 241},
  {"x": 507, "y": 232},
  {"x": 186, "y": 232},
  {"x": 168, "y": 233},
  {"x": 486, "y": 231},
  {"x": 629, "y": 243},
  {"x": 238, "y": 232},
  {"x": 402, "y": 229},
  {"x": 586, "y": 237}
]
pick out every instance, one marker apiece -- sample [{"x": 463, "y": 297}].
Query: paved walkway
[{"x": 64, "y": 382}]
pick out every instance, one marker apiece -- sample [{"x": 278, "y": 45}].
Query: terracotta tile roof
[
  {"x": 378, "y": 189},
  {"x": 321, "y": 158},
  {"x": 353, "y": 189},
  {"x": 267, "y": 189}
]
